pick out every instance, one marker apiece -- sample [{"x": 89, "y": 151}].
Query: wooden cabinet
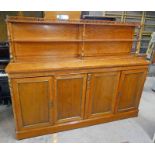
[
  {"x": 70, "y": 74},
  {"x": 43, "y": 102},
  {"x": 130, "y": 89},
  {"x": 101, "y": 93},
  {"x": 33, "y": 97},
  {"x": 69, "y": 97}
]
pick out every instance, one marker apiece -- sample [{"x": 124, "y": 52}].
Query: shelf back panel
[
  {"x": 108, "y": 32},
  {"x": 28, "y": 31},
  {"x": 39, "y": 39},
  {"x": 107, "y": 48},
  {"x": 44, "y": 49}
]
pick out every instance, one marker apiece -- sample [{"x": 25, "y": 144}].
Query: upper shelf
[
  {"x": 83, "y": 22},
  {"x": 45, "y": 40},
  {"x": 38, "y": 39},
  {"x": 69, "y": 40}
]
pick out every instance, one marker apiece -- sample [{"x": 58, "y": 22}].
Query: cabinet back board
[{"x": 44, "y": 39}]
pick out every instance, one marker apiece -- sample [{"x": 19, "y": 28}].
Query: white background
[{"x": 77, "y": 5}]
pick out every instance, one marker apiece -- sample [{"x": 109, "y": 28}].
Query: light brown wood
[
  {"x": 70, "y": 74},
  {"x": 72, "y": 14},
  {"x": 74, "y": 125},
  {"x": 101, "y": 93},
  {"x": 76, "y": 63},
  {"x": 55, "y": 39},
  {"x": 33, "y": 97},
  {"x": 69, "y": 97},
  {"x": 95, "y": 31},
  {"x": 130, "y": 89}
]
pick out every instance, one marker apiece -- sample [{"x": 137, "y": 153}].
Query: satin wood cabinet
[
  {"x": 84, "y": 74},
  {"x": 44, "y": 101}
]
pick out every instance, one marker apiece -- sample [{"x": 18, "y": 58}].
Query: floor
[{"x": 133, "y": 130}]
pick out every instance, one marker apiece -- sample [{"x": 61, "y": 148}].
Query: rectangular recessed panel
[
  {"x": 69, "y": 98},
  {"x": 108, "y": 32},
  {"x": 45, "y": 31},
  {"x": 34, "y": 102},
  {"x": 59, "y": 49},
  {"x": 107, "y": 48},
  {"x": 131, "y": 88},
  {"x": 104, "y": 92}
]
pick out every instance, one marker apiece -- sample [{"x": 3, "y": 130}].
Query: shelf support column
[
  {"x": 83, "y": 37},
  {"x": 140, "y": 32}
]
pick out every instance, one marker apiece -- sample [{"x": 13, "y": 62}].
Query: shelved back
[{"x": 40, "y": 39}]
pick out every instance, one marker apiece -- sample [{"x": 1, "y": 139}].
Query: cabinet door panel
[
  {"x": 130, "y": 89},
  {"x": 101, "y": 93},
  {"x": 70, "y": 97},
  {"x": 34, "y": 97}
]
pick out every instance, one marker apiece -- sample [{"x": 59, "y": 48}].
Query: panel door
[
  {"x": 69, "y": 97},
  {"x": 130, "y": 89},
  {"x": 33, "y": 101},
  {"x": 101, "y": 93}
]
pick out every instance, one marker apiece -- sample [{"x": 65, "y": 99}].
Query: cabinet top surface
[{"x": 75, "y": 63}]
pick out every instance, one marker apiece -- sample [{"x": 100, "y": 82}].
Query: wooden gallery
[{"x": 71, "y": 74}]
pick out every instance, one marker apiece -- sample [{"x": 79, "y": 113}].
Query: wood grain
[
  {"x": 101, "y": 93},
  {"x": 130, "y": 90},
  {"x": 70, "y": 97},
  {"x": 108, "y": 32},
  {"x": 75, "y": 63},
  {"x": 68, "y": 39}
]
